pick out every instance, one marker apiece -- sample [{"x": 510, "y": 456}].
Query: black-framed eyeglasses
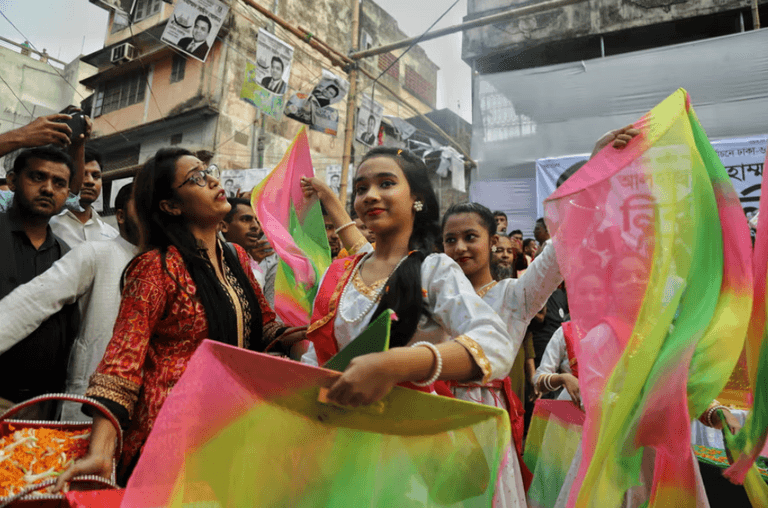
[{"x": 199, "y": 176}]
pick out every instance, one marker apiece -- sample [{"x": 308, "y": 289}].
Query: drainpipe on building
[{"x": 349, "y": 131}]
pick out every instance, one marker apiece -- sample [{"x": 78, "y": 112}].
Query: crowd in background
[{"x": 115, "y": 314}]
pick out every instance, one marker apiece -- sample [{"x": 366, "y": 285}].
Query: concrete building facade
[
  {"x": 37, "y": 85},
  {"x": 597, "y": 28},
  {"x": 550, "y": 84},
  {"x": 163, "y": 98}
]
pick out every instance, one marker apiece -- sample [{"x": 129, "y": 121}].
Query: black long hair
[
  {"x": 160, "y": 230},
  {"x": 487, "y": 218},
  {"x": 402, "y": 292}
]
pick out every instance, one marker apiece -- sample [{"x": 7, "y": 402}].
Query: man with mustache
[
  {"x": 76, "y": 226},
  {"x": 88, "y": 275},
  {"x": 40, "y": 180}
]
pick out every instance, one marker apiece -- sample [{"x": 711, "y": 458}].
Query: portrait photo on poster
[
  {"x": 235, "y": 181},
  {"x": 368, "y": 121},
  {"x": 333, "y": 178},
  {"x": 273, "y": 63},
  {"x": 330, "y": 89},
  {"x": 314, "y": 109},
  {"x": 194, "y": 25}
]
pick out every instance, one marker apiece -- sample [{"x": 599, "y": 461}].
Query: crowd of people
[{"x": 483, "y": 314}]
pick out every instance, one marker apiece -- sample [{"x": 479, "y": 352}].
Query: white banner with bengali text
[{"x": 743, "y": 159}]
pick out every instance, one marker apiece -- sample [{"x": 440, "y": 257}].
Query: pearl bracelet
[
  {"x": 709, "y": 413},
  {"x": 439, "y": 362},
  {"x": 345, "y": 226}
]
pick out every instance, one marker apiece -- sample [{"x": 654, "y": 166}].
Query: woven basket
[{"x": 28, "y": 497}]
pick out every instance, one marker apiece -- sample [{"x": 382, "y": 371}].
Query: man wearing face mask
[{"x": 78, "y": 226}]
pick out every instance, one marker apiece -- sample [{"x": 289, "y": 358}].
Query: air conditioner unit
[{"x": 123, "y": 53}]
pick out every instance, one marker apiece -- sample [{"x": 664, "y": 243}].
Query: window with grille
[
  {"x": 122, "y": 158},
  {"x": 119, "y": 93},
  {"x": 177, "y": 68},
  {"x": 146, "y": 8}
]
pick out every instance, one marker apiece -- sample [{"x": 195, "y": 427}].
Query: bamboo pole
[
  {"x": 424, "y": 118},
  {"x": 349, "y": 66},
  {"x": 755, "y": 16},
  {"x": 349, "y": 131},
  {"x": 305, "y": 36}
]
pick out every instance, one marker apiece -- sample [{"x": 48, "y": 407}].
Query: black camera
[{"x": 76, "y": 123}]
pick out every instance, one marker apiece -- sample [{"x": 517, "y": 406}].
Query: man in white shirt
[
  {"x": 89, "y": 275},
  {"x": 240, "y": 226},
  {"x": 78, "y": 226}
]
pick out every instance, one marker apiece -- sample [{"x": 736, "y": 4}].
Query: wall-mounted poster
[
  {"x": 267, "y": 80},
  {"x": 368, "y": 121},
  {"x": 194, "y": 25}
]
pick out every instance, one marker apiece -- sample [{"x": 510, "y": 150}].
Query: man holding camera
[
  {"x": 41, "y": 179},
  {"x": 49, "y": 130},
  {"x": 79, "y": 222}
]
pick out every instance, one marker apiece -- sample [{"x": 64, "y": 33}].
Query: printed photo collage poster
[
  {"x": 368, "y": 121},
  {"x": 266, "y": 81},
  {"x": 314, "y": 109},
  {"x": 194, "y": 25}
]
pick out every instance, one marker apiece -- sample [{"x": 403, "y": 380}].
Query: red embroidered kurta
[{"x": 158, "y": 328}]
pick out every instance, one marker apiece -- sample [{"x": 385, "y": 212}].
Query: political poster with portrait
[
  {"x": 368, "y": 121},
  {"x": 194, "y": 25},
  {"x": 333, "y": 177},
  {"x": 236, "y": 181},
  {"x": 266, "y": 81},
  {"x": 330, "y": 89},
  {"x": 314, "y": 109}
]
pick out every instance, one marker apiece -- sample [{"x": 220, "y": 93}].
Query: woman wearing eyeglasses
[{"x": 185, "y": 286}]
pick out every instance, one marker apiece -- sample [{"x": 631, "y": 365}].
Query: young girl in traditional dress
[
  {"x": 468, "y": 236},
  {"x": 453, "y": 333}
]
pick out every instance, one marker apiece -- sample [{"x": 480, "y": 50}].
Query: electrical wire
[
  {"x": 17, "y": 97},
  {"x": 59, "y": 73},
  {"x": 235, "y": 47},
  {"x": 146, "y": 74}
]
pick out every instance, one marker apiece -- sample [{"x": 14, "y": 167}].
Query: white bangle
[
  {"x": 548, "y": 383},
  {"x": 438, "y": 362},
  {"x": 709, "y": 414},
  {"x": 340, "y": 228}
]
